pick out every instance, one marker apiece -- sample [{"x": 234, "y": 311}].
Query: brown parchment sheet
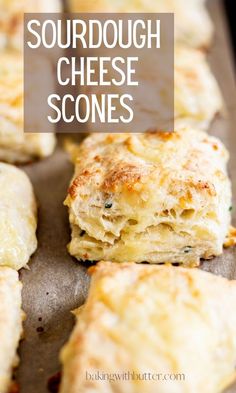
[{"x": 55, "y": 283}]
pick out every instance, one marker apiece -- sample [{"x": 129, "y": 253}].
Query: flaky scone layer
[
  {"x": 15, "y": 145},
  {"x": 189, "y": 16},
  {"x": 10, "y": 324},
  {"x": 18, "y": 219},
  {"x": 156, "y": 320},
  {"x": 155, "y": 197}
]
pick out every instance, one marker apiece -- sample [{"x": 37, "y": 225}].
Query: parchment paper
[{"x": 56, "y": 283}]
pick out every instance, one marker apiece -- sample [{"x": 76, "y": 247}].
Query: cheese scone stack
[
  {"x": 155, "y": 197},
  {"x": 15, "y": 145},
  {"x": 193, "y": 26},
  {"x": 160, "y": 320},
  {"x": 12, "y": 19},
  {"x": 17, "y": 217},
  {"x": 11, "y": 317}
]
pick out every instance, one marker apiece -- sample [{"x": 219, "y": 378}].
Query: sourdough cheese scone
[
  {"x": 11, "y": 317},
  {"x": 197, "y": 97},
  {"x": 152, "y": 329},
  {"x": 193, "y": 25},
  {"x": 155, "y": 197},
  {"x": 12, "y": 19},
  {"x": 15, "y": 145},
  {"x": 17, "y": 217}
]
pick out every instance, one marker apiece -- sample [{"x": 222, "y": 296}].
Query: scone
[
  {"x": 12, "y": 19},
  {"x": 155, "y": 197},
  {"x": 17, "y": 217},
  {"x": 152, "y": 329},
  {"x": 15, "y": 145},
  {"x": 10, "y": 324},
  {"x": 197, "y": 97},
  {"x": 193, "y": 25}
]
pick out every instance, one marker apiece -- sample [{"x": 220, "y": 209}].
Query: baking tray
[{"x": 55, "y": 283}]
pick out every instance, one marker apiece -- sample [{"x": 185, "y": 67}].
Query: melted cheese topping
[{"x": 155, "y": 197}]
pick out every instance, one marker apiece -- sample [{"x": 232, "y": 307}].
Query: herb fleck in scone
[
  {"x": 155, "y": 197},
  {"x": 15, "y": 145},
  {"x": 11, "y": 317},
  {"x": 158, "y": 320},
  {"x": 17, "y": 217}
]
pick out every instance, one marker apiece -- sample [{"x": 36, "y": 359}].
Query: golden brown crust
[
  {"x": 230, "y": 238},
  {"x": 149, "y": 197}
]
